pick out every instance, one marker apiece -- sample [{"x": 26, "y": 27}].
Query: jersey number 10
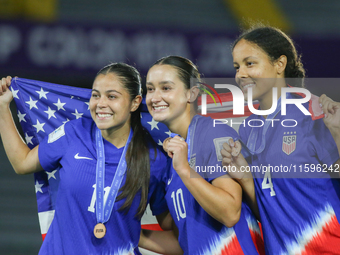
[{"x": 178, "y": 200}]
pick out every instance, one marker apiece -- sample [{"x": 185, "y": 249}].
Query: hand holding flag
[{"x": 5, "y": 93}]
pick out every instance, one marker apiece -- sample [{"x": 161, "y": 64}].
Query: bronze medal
[{"x": 99, "y": 230}]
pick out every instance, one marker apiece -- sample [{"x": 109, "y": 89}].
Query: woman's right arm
[
  {"x": 23, "y": 159},
  {"x": 233, "y": 158},
  {"x": 163, "y": 242}
]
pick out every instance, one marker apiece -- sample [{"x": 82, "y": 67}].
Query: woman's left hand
[
  {"x": 177, "y": 149},
  {"x": 331, "y": 110}
]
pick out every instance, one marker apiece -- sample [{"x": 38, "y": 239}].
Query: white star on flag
[
  {"x": 160, "y": 143},
  {"x": 59, "y": 104},
  {"x": 77, "y": 114},
  {"x": 28, "y": 139},
  {"x": 21, "y": 116},
  {"x": 32, "y": 103},
  {"x": 15, "y": 93},
  {"x": 51, "y": 174},
  {"x": 67, "y": 120},
  {"x": 50, "y": 113},
  {"x": 168, "y": 133},
  {"x": 153, "y": 124},
  {"x": 39, "y": 126},
  {"x": 88, "y": 105},
  {"x": 42, "y": 93},
  {"x": 38, "y": 187}
]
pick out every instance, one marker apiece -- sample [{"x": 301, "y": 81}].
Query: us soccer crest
[{"x": 289, "y": 143}]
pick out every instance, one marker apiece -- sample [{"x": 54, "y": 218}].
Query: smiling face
[
  {"x": 255, "y": 69},
  {"x": 110, "y": 104},
  {"x": 167, "y": 98}
]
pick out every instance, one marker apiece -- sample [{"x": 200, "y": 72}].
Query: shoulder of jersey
[{"x": 81, "y": 128}]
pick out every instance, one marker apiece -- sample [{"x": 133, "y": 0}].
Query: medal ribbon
[
  {"x": 190, "y": 136},
  {"x": 251, "y": 144},
  {"x": 103, "y": 211}
]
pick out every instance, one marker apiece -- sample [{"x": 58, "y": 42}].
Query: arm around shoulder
[{"x": 163, "y": 242}]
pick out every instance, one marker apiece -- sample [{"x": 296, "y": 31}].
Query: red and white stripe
[
  {"x": 256, "y": 234},
  {"x": 45, "y": 220},
  {"x": 322, "y": 236},
  {"x": 224, "y": 244}
]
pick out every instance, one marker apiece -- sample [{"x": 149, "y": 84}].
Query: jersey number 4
[{"x": 268, "y": 184}]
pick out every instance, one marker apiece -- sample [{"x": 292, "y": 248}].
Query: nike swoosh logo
[
  {"x": 79, "y": 157},
  {"x": 169, "y": 181}
]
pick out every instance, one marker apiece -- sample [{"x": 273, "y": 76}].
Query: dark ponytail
[
  {"x": 137, "y": 155},
  {"x": 276, "y": 43}
]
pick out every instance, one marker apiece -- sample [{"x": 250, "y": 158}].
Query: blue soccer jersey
[
  {"x": 298, "y": 201},
  {"x": 72, "y": 149},
  {"x": 199, "y": 233}
]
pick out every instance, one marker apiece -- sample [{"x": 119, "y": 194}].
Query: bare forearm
[
  {"x": 16, "y": 149},
  {"x": 165, "y": 221},
  {"x": 217, "y": 202},
  {"x": 164, "y": 242}
]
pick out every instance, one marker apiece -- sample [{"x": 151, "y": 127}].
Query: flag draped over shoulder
[{"x": 42, "y": 107}]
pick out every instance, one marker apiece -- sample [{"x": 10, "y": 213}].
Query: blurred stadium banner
[
  {"x": 11, "y": 8},
  {"x": 247, "y": 11},
  {"x": 75, "y": 52},
  {"x": 45, "y": 10},
  {"x": 41, "y": 10}
]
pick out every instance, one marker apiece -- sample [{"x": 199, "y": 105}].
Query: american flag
[{"x": 42, "y": 107}]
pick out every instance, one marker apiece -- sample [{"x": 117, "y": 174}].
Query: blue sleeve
[
  {"x": 211, "y": 147},
  {"x": 158, "y": 168},
  {"x": 323, "y": 143},
  {"x": 53, "y": 147}
]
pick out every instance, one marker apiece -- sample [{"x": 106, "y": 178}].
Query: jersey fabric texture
[
  {"x": 199, "y": 233},
  {"x": 299, "y": 208},
  {"x": 72, "y": 150}
]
